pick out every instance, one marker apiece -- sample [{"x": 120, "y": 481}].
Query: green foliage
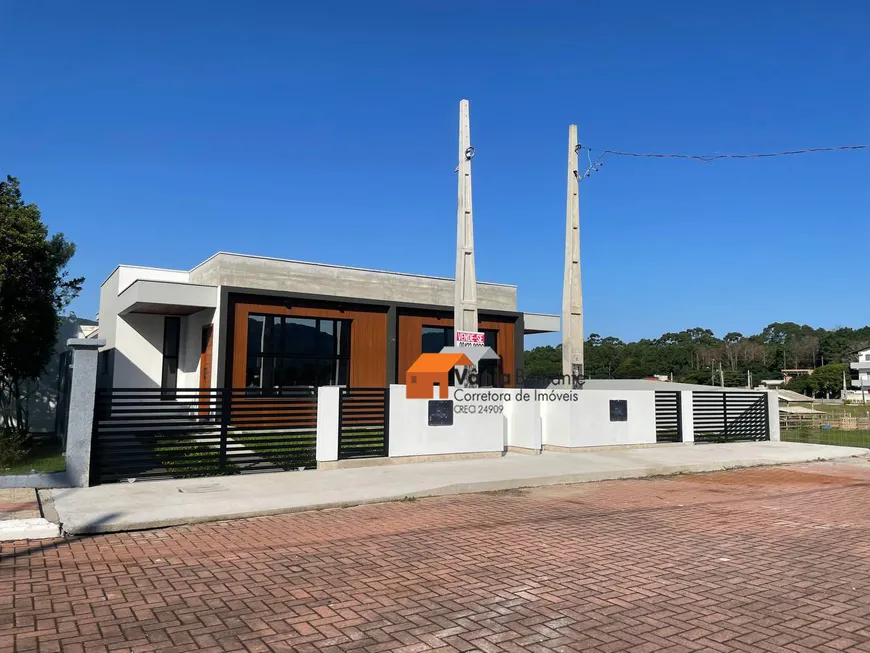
[
  {"x": 696, "y": 356},
  {"x": 44, "y": 457},
  {"x": 15, "y": 444},
  {"x": 34, "y": 288},
  {"x": 825, "y": 380},
  {"x": 543, "y": 363}
]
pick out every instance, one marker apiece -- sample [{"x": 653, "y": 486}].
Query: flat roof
[
  {"x": 140, "y": 267},
  {"x": 342, "y": 267}
]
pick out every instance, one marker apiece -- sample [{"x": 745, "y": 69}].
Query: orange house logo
[{"x": 430, "y": 369}]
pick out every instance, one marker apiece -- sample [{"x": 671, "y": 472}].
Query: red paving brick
[{"x": 769, "y": 559}]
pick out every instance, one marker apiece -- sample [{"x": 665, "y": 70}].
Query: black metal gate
[
  {"x": 730, "y": 416},
  {"x": 154, "y": 433},
  {"x": 669, "y": 418},
  {"x": 64, "y": 381},
  {"x": 363, "y": 423}
]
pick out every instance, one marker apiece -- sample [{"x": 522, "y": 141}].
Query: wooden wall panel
[
  {"x": 368, "y": 338},
  {"x": 410, "y": 339}
]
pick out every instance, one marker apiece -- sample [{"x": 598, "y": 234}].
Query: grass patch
[
  {"x": 186, "y": 458},
  {"x": 827, "y": 436},
  {"x": 361, "y": 442},
  {"x": 838, "y": 410},
  {"x": 44, "y": 457},
  {"x": 289, "y": 451}
]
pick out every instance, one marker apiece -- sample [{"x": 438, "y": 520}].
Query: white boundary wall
[
  {"x": 411, "y": 435},
  {"x": 518, "y": 421},
  {"x": 522, "y": 422},
  {"x": 586, "y": 421}
]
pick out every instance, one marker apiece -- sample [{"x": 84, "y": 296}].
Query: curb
[{"x": 72, "y": 529}]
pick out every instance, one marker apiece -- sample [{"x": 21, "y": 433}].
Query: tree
[
  {"x": 543, "y": 363},
  {"x": 732, "y": 347},
  {"x": 694, "y": 355},
  {"x": 826, "y": 380},
  {"x": 34, "y": 288}
]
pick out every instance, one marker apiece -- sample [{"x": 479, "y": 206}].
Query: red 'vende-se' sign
[{"x": 469, "y": 339}]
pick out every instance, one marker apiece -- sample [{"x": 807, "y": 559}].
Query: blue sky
[{"x": 159, "y": 133}]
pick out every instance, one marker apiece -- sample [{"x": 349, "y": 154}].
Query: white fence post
[
  {"x": 327, "y": 423},
  {"x": 687, "y": 416},
  {"x": 773, "y": 414}
]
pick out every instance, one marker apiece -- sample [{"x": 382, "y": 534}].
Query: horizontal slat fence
[
  {"x": 730, "y": 416},
  {"x": 669, "y": 422},
  {"x": 153, "y": 433},
  {"x": 363, "y": 423}
]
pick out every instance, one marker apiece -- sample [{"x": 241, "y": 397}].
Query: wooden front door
[{"x": 205, "y": 357}]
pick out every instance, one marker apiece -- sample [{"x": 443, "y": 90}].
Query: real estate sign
[{"x": 469, "y": 339}]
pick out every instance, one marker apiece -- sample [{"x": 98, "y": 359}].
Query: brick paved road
[{"x": 755, "y": 560}]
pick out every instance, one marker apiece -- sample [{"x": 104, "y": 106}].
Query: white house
[
  {"x": 255, "y": 322},
  {"x": 863, "y": 367}
]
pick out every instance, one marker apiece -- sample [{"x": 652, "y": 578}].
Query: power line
[{"x": 715, "y": 157}]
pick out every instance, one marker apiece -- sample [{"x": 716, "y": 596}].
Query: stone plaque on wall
[
  {"x": 440, "y": 412},
  {"x": 618, "y": 410}
]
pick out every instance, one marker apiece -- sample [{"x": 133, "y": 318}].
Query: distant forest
[{"x": 693, "y": 355}]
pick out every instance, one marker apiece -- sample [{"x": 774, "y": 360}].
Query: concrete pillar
[
  {"x": 687, "y": 416},
  {"x": 82, "y": 398},
  {"x": 327, "y": 423},
  {"x": 465, "y": 301},
  {"x": 572, "y": 288},
  {"x": 773, "y": 414}
]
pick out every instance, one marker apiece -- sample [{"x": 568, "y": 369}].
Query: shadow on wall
[
  {"x": 127, "y": 374},
  {"x": 41, "y": 396}
]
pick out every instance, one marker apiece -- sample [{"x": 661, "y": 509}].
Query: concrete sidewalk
[{"x": 131, "y": 506}]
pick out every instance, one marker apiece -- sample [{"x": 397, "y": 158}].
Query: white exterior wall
[
  {"x": 108, "y": 316},
  {"x": 523, "y": 423},
  {"x": 138, "y": 351},
  {"x": 218, "y": 356},
  {"x": 128, "y": 274},
  {"x": 191, "y": 348},
  {"x": 586, "y": 422},
  {"x": 327, "y": 423},
  {"x": 137, "y": 338},
  {"x": 411, "y": 435}
]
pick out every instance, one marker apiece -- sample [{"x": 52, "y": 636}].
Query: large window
[
  {"x": 287, "y": 352},
  {"x": 171, "y": 347}
]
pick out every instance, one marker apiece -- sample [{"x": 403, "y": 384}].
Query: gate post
[
  {"x": 225, "y": 408},
  {"x": 82, "y": 402},
  {"x": 327, "y": 424},
  {"x": 772, "y": 411},
  {"x": 687, "y": 416}
]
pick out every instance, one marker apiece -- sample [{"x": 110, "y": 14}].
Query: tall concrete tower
[
  {"x": 572, "y": 286},
  {"x": 465, "y": 303}
]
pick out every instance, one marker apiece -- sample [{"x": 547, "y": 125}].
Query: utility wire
[{"x": 716, "y": 157}]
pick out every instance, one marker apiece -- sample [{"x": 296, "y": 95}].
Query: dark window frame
[
  {"x": 171, "y": 355},
  {"x": 279, "y": 350}
]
